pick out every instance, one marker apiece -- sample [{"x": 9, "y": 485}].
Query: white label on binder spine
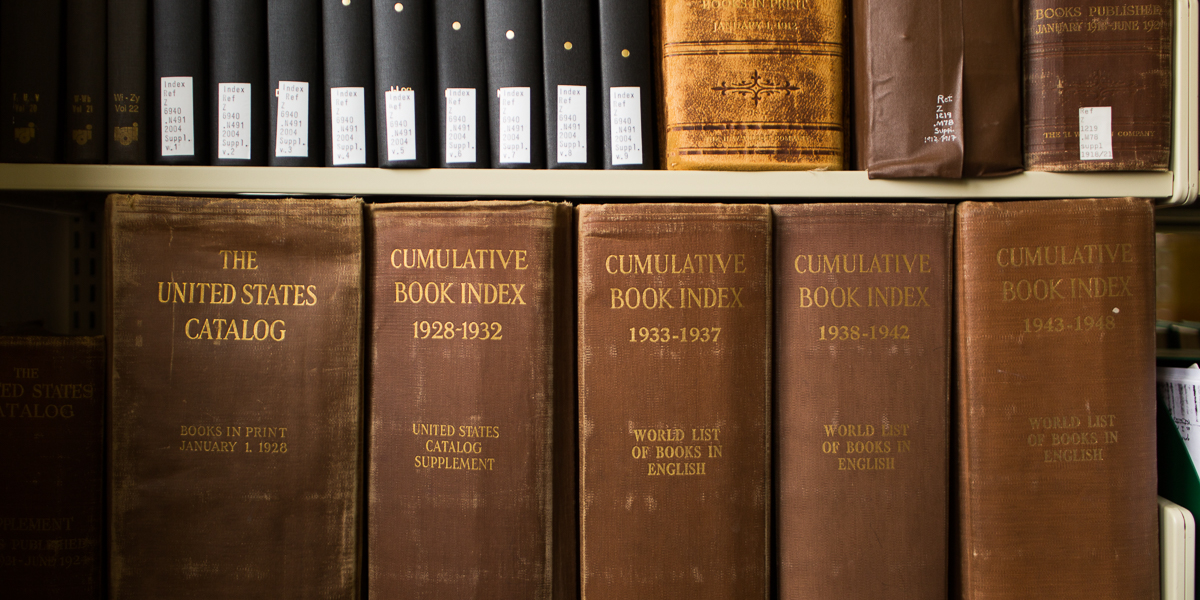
[
  {"x": 291, "y": 119},
  {"x": 233, "y": 121},
  {"x": 401, "y": 124},
  {"x": 178, "y": 125},
  {"x": 349, "y": 133},
  {"x": 460, "y": 125},
  {"x": 1095, "y": 133},
  {"x": 514, "y": 125},
  {"x": 572, "y": 123},
  {"x": 626, "y": 125}
]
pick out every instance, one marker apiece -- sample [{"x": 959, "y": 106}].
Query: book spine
[
  {"x": 627, "y": 105},
  {"x": 84, "y": 58},
  {"x": 515, "y": 94},
  {"x": 349, "y": 84},
  {"x": 908, "y": 80},
  {"x": 992, "y": 88},
  {"x": 674, "y": 400},
  {"x": 402, "y": 83},
  {"x": 1098, "y": 86},
  {"x": 236, "y": 335},
  {"x": 295, "y": 85},
  {"x": 753, "y": 87},
  {"x": 180, "y": 82},
  {"x": 1056, "y": 436},
  {"x": 29, "y": 82},
  {"x": 462, "y": 84},
  {"x": 862, "y": 364},
  {"x": 52, "y": 454},
  {"x": 482, "y": 407},
  {"x": 570, "y": 94},
  {"x": 128, "y": 77},
  {"x": 238, "y": 96}
]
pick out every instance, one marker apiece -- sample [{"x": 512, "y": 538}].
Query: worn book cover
[
  {"x": 1098, "y": 85},
  {"x": 1056, "y": 407},
  {"x": 52, "y": 456},
  {"x": 862, "y": 402},
  {"x": 753, "y": 86},
  {"x": 472, "y": 416},
  {"x": 674, "y": 400},
  {"x": 235, "y": 435}
]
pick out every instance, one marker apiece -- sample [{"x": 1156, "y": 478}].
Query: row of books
[
  {"x": 313, "y": 398},
  {"x": 537, "y": 84}
]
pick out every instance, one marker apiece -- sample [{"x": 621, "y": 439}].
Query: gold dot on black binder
[
  {"x": 567, "y": 45},
  {"x": 399, "y": 7},
  {"x": 509, "y": 34},
  {"x": 456, "y": 25},
  {"x": 625, "y": 53}
]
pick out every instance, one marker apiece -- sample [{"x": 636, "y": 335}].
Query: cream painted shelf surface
[{"x": 492, "y": 183}]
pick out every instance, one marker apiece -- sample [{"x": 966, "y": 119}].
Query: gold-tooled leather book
[
  {"x": 471, "y": 492},
  {"x": 1101, "y": 71},
  {"x": 674, "y": 400},
  {"x": 862, "y": 404},
  {"x": 235, "y": 422},
  {"x": 52, "y": 457},
  {"x": 1056, "y": 400},
  {"x": 753, "y": 85}
]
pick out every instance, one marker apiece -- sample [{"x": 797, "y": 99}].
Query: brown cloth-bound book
[
  {"x": 753, "y": 86},
  {"x": 234, "y": 425},
  {"x": 937, "y": 87},
  {"x": 1097, "y": 85},
  {"x": 52, "y": 457},
  {"x": 862, "y": 368},
  {"x": 674, "y": 400},
  {"x": 472, "y": 417},
  {"x": 1056, "y": 442}
]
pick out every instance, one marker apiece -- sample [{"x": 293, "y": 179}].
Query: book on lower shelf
[{"x": 235, "y": 427}]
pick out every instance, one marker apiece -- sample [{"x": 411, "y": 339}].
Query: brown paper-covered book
[
  {"x": 472, "y": 416},
  {"x": 1056, "y": 406},
  {"x": 1098, "y": 85},
  {"x": 235, "y": 427},
  {"x": 937, "y": 87},
  {"x": 52, "y": 459},
  {"x": 862, "y": 381},
  {"x": 674, "y": 400},
  {"x": 753, "y": 86}
]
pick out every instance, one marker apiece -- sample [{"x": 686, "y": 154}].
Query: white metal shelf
[{"x": 493, "y": 183}]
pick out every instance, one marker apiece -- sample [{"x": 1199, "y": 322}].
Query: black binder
[
  {"x": 400, "y": 68},
  {"x": 238, "y": 33},
  {"x": 294, "y": 55}
]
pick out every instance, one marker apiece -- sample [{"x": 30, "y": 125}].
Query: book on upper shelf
[
  {"x": 1056, "y": 411},
  {"x": 753, "y": 86},
  {"x": 461, "y": 75},
  {"x": 128, "y": 94},
  {"x": 628, "y": 94},
  {"x": 295, "y": 83},
  {"x": 238, "y": 95},
  {"x": 349, "y": 83},
  {"x": 862, "y": 399},
  {"x": 82, "y": 134},
  {"x": 29, "y": 80},
  {"x": 52, "y": 453},
  {"x": 571, "y": 94},
  {"x": 472, "y": 415},
  {"x": 516, "y": 108},
  {"x": 674, "y": 331},
  {"x": 235, "y": 421},
  {"x": 403, "y": 83},
  {"x": 1098, "y": 85},
  {"x": 179, "y": 82}
]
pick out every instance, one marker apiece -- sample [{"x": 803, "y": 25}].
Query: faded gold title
[
  {"x": 683, "y": 297},
  {"x": 1064, "y": 288},
  {"x": 467, "y": 260},
  {"x": 891, "y": 296},
  {"x": 29, "y": 399}
]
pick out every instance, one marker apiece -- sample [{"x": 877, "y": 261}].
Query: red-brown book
[
  {"x": 862, "y": 405},
  {"x": 472, "y": 420},
  {"x": 1056, "y": 400},
  {"x": 674, "y": 400},
  {"x": 52, "y": 457},
  {"x": 235, "y": 429},
  {"x": 1098, "y": 85}
]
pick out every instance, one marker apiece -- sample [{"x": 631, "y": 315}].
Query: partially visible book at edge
[
  {"x": 1056, "y": 435},
  {"x": 862, "y": 405},
  {"x": 737, "y": 96},
  {"x": 674, "y": 400},
  {"x": 472, "y": 426},
  {"x": 1098, "y": 85},
  {"x": 235, "y": 421},
  {"x": 52, "y": 455},
  {"x": 937, "y": 101}
]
